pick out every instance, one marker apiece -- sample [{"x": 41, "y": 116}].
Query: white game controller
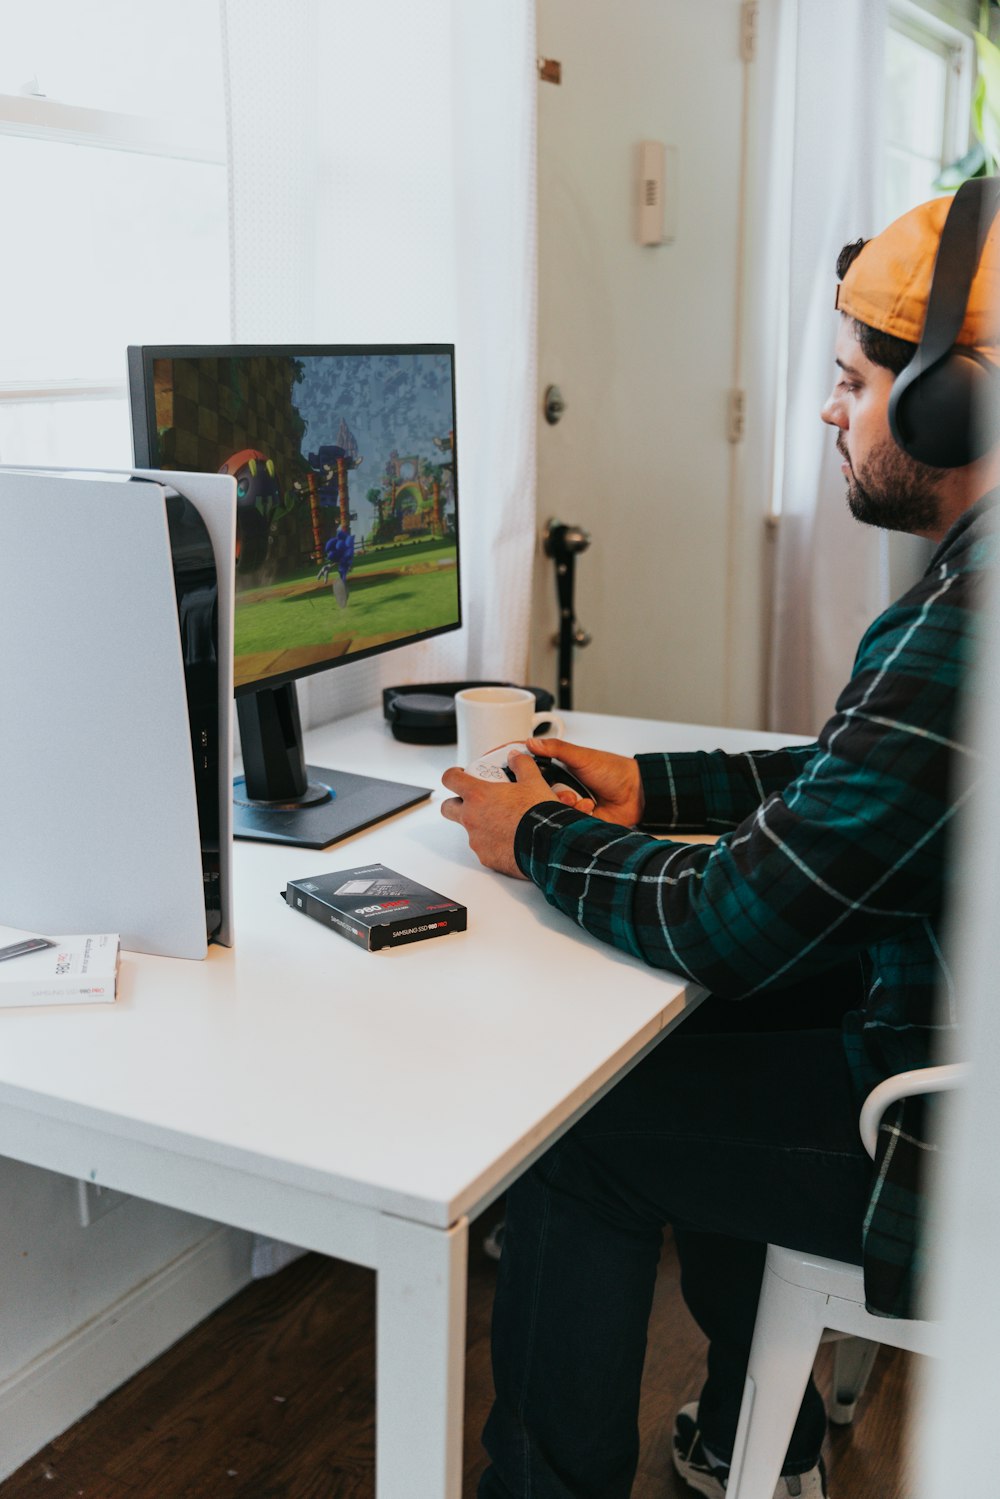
[{"x": 494, "y": 767}]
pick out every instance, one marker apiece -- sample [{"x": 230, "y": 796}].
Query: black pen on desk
[{"x": 19, "y": 949}]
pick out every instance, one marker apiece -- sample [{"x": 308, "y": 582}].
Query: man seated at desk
[{"x": 819, "y": 909}]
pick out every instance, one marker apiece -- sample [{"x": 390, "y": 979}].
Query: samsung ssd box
[
  {"x": 57, "y": 970},
  {"x": 375, "y": 907}
]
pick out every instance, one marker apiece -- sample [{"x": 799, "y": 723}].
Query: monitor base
[
  {"x": 355, "y": 802},
  {"x": 315, "y": 792}
]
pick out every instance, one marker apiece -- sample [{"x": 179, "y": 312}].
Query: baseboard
[{"x": 46, "y": 1396}]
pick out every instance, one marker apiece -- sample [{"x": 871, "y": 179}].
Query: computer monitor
[{"x": 347, "y": 536}]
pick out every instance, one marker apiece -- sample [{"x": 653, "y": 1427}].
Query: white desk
[{"x": 363, "y": 1105}]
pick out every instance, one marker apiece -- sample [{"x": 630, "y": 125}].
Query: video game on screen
[{"x": 345, "y": 472}]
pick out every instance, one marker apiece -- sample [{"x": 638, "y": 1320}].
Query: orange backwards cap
[{"x": 888, "y": 283}]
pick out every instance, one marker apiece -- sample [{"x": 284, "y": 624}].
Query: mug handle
[{"x": 554, "y": 726}]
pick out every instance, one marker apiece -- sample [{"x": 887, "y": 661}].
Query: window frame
[{"x": 949, "y": 35}]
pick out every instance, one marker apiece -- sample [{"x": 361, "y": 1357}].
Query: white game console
[{"x": 116, "y": 609}]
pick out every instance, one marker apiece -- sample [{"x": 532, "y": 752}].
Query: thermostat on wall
[{"x": 657, "y": 193}]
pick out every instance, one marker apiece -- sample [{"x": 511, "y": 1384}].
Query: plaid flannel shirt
[{"x": 829, "y": 852}]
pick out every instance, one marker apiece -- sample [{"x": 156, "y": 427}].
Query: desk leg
[{"x": 420, "y": 1360}]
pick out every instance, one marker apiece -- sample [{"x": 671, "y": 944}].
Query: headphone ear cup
[{"x": 943, "y": 416}]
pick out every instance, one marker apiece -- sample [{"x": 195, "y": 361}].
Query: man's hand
[
  {"x": 613, "y": 779},
  {"x": 490, "y": 811}
]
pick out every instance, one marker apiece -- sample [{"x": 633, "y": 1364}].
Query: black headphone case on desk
[{"x": 425, "y": 714}]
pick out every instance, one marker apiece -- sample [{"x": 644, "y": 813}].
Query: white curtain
[
  {"x": 830, "y": 576},
  {"x": 382, "y": 191}
]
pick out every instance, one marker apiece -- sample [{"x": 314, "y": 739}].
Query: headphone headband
[
  {"x": 937, "y": 401},
  {"x": 963, "y": 238}
]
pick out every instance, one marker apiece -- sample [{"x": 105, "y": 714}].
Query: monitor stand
[{"x": 281, "y": 799}]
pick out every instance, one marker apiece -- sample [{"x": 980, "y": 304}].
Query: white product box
[{"x": 74, "y": 970}]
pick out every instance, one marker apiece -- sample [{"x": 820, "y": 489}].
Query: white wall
[
  {"x": 642, "y": 343},
  {"x": 83, "y": 1308}
]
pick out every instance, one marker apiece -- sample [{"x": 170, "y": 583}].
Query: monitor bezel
[{"x": 142, "y": 410}]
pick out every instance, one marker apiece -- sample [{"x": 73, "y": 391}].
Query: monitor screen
[
  {"x": 347, "y": 496},
  {"x": 346, "y": 536}
]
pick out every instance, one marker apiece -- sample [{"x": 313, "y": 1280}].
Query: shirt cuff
[
  {"x": 535, "y": 832},
  {"x": 674, "y": 793}
]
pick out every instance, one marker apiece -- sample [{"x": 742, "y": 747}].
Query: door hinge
[
  {"x": 749, "y": 16},
  {"x": 736, "y": 415}
]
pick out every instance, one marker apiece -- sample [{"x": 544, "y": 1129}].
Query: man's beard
[{"x": 893, "y": 491}]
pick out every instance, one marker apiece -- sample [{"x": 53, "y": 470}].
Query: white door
[{"x": 641, "y": 342}]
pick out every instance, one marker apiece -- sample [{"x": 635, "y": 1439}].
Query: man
[{"x": 819, "y": 909}]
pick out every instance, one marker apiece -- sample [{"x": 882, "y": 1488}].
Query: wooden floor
[{"x": 273, "y": 1397}]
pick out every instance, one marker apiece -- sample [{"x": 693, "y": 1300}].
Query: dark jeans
[{"x": 738, "y": 1135}]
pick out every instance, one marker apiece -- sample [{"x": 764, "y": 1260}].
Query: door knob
[{"x": 553, "y": 404}]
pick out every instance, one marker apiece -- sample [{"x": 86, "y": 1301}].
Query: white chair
[{"x": 801, "y": 1296}]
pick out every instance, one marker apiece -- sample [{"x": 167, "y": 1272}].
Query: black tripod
[{"x": 563, "y": 544}]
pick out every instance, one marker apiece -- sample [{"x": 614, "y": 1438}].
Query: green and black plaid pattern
[{"x": 827, "y": 853}]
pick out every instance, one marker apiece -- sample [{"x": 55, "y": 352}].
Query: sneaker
[
  {"x": 493, "y": 1243},
  {"x": 706, "y": 1477}
]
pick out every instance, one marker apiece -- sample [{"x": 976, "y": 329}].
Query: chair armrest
[{"x": 904, "y": 1085}]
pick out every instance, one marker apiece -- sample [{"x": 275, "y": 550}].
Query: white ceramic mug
[{"x": 489, "y": 716}]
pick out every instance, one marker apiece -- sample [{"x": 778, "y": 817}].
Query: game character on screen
[
  {"x": 257, "y": 494},
  {"x": 339, "y": 554}
]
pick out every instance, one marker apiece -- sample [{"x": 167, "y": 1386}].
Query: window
[
  {"x": 112, "y": 159},
  {"x": 929, "y": 77}
]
